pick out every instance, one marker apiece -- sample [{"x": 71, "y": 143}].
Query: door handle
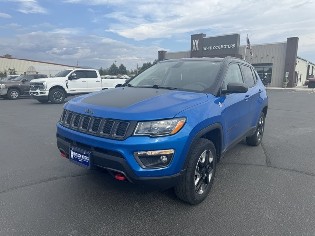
[
  {"x": 83, "y": 81},
  {"x": 246, "y": 98},
  {"x": 97, "y": 81}
]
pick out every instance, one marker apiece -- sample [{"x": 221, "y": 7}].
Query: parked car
[
  {"x": 19, "y": 86},
  {"x": 169, "y": 126},
  {"x": 9, "y": 77},
  {"x": 69, "y": 82},
  {"x": 310, "y": 82}
]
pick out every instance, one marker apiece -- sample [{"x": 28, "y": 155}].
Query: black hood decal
[{"x": 123, "y": 97}]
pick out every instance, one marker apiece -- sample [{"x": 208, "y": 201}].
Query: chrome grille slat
[
  {"x": 69, "y": 118},
  {"x": 76, "y": 121},
  {"x": 95, "y": 125},
  {"x": 85, "y": 123}
]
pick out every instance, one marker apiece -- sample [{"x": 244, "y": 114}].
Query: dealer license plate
[{"x": 80, "y": 156}]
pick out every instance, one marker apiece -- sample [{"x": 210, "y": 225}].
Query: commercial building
[
  {"x": 274, "y": 62},
  {"x": 21, "y": 66}
]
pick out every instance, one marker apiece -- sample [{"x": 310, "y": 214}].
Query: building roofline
[
  {"x": 51, "y": 63},
  {"x": 306, "y": 60},
  {"x": 264, "y": 44}
]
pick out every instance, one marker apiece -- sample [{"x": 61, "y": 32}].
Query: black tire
[
  {"x": 57, "y": 95},
  {"x": 13, "y": 94},
  {"x": 201, "y": 164},
  {"x": 256, "y": 138}
]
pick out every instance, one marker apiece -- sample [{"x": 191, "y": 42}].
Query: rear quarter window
[{"x": 248, "y": 76}]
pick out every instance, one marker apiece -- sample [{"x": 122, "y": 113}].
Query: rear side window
[
  {"x": 248, "y": 76},
  {"x": 233, "y": 75},
  {"x": 91, "y": 74},
  {"x": 80, "y": 74}
]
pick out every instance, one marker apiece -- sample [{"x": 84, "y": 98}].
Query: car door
[
  {"x": 77, "y": 82},
  {"x": 94, "y": 82},
  {"x": 25, "y": 83},
  {"x": 253, "y": 94},
  {"x": 235, "y": 108}
]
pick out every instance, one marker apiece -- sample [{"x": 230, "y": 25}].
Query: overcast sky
[{"x": 100, "y": 32}]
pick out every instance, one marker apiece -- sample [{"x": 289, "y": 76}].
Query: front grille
[
  {"x": 85, "y": 122},
  {"x": 95, "y": 125},
  {"x": 113, "y": 129},
  {"x": 108, "y": 126},
  {"x": 76, "y": 121},
  {"x": 36, "y": 86},
  {"x": 121, "y": 129}
]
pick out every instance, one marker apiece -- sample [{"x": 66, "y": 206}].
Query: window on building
[{"x": 264, "y": 71}]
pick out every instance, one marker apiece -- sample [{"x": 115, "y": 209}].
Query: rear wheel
[
  {"x": 195, "y": 184},
  {"x": 256, "y": 138},
  {"x": 13, "y": 94},
  {"x": 57, "y": 95}
]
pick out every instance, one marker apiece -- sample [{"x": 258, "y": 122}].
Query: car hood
[
  {"x": 10, "y": 82},
  {"x": 136, "y": 103},
  {"x": 51, "y": 79}
]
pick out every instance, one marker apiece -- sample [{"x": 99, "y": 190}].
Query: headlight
[
  {"x": 42, "y": 86},
  {"x": 160, "y": 127},
  {"x": 2, "y": 86}
]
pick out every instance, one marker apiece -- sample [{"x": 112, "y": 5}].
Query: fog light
[{"x": 154, "y": 159}]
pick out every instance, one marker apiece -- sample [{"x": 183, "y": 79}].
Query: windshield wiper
[{"x": 163, "y": 87}]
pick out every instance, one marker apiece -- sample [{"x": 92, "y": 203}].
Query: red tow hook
[
  {"x": 120, "y": 177},
  {"x": 63, "y": 154}
]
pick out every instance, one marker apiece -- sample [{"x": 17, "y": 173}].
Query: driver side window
[{"x": 233, "y": 75}]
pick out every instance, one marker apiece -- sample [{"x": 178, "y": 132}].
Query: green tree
[
  {"x": 103, "y": 71},
  {"x": 3, "y": 74},
  {"x": 122, "y": 69},
  {"x": 113, "y": 69},
  {"x": 12, "y": 71}
]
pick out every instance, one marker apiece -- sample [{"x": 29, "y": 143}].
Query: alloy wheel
[{"x": 204, "y": 171}]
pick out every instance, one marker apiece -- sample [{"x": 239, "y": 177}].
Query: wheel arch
[
  {"x": 214, "y": 133},
  {"x": 15, "y": 87},
  {"x": 58, "y": 86},
  {"x": 265, "y": 109}
]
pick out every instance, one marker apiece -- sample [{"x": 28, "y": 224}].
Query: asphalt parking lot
[{"x": 264, "y": 190}]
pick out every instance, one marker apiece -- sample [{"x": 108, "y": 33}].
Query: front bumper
[
  {"x": 39, "y": 93},
  {"x": 118, "y": 155},
  {"x": 3, "y": 91}
]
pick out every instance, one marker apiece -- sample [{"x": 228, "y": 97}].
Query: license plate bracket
[{"x": 80, "y": 157}]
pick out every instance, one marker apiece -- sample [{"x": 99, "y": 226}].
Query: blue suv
[{"x": 169, "y": 126}]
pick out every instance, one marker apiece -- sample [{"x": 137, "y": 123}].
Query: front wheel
[
  {"x": 13, "y": 94},
  {"x": 195, "y": 184},
  {"x": 57, "y": 95},
  {"x": 256, "y": 138}
]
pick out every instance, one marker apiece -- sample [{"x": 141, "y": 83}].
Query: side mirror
[
  {"x": 24, "y": 80},
  {"x": 118, "y": 85},
  {"x": 72, "y": 76},
  {"x": 236, "y": 88}
]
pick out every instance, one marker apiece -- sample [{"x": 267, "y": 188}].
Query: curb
[{"x": 311, "y": 90}]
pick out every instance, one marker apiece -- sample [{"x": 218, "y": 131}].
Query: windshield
[
  {"x": 19, "y": 78},
  {"x": 63, "y": 73},
  {"x": 183, "y": 75}
]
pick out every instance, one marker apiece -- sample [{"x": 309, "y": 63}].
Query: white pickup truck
[{"x": 69, "y": 82}]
